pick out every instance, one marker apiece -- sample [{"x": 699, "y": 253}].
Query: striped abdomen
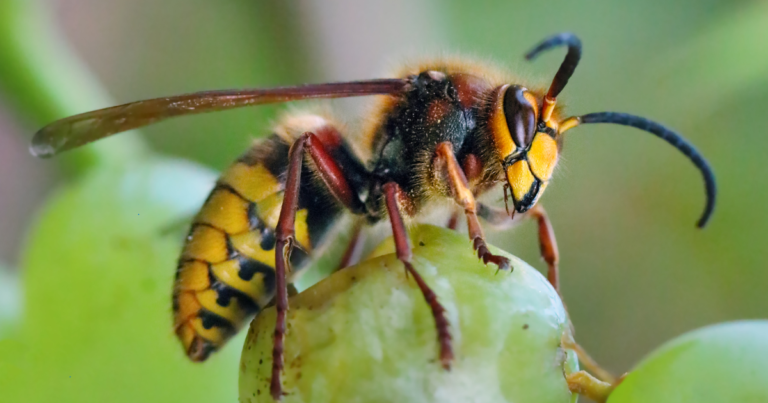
[{"x": 226, "y": 270}]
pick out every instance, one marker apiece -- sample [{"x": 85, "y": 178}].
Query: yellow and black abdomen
[{"x": 226, "y": 271}]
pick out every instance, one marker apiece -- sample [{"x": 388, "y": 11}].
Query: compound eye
[{"x": 520, "y": 112}]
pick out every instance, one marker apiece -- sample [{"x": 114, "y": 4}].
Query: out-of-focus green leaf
[
  {"x": 98, "y": 277},
  {"x": 44, "y": 79},
  {"x": 365, "y": 334},
  {"x": 727, "y": 59},
  {"x": 722, "y": 363},
  {"x": 244, "y": 44}
]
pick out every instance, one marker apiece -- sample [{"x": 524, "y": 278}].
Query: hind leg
[{"x": 336, "y": 182}]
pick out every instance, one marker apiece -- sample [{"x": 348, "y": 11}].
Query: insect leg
[
  {"x": 584, "y": 384},
  {"x": 457, "y": 181},
  {"x": 392, "y": 193},
  {"x": 497, "y": 217},
  {"x": 473, "y": 171},
  {"x": 586, "y": 360},
  {"x": 453, "y": 222},
  {"x": 548, "y": 245},
  {"x": 338, "y": 185},
  {"x": 355, "y": 248}
]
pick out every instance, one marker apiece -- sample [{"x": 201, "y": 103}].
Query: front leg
[
  {"x": 445, "y": 162},
  {"x": 547, "y": 244}
]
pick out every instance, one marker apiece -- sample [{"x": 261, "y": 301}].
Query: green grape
[
  {"x": 98, "y": 272},
  {"x": 365, "y": 334},
  {"x": 717, "y": 364},
  {"x": 10, "y": 301}
]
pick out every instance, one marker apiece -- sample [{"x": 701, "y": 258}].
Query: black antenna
[
  {"x": 569, "y": 64},
  {"x": 670, "y": 137}
]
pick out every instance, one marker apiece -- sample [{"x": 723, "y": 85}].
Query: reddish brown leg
[
  {"x": 331, "y": 174},
  {"x": 445, "y": 161},
  {"x": 548, "y": 245},
  {"x": 498, "y": 218},
  {"x": 355, "y": 248},
  {"x": 392, "y": 193},
  {"x": 453, "y": 222}
]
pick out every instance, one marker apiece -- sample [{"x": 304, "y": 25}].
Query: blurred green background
[{"x": 635, "y": 271}]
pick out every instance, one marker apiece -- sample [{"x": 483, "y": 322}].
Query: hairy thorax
[{"x": 441, "y": 105}]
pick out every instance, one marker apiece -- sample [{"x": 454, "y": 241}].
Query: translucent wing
[{"x": 84, "y": 128}]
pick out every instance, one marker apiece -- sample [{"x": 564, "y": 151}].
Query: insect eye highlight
[{"x": 520, "y": 113}]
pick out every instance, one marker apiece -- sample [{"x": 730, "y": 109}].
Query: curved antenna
[
  {"x": 665, "y": 134},
  {"x": 569, "y": 64},
  {"x": 565, "y": 71}
]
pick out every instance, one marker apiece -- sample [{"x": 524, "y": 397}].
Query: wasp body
[
  {"x": 226, "y": 272},
  {"x": 442, "y": 131}
]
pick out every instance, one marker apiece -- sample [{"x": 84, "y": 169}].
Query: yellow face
[{"x": 527, "y": 147}]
